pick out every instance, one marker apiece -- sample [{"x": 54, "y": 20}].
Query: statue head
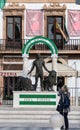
[{"x": 38, "y": 56}]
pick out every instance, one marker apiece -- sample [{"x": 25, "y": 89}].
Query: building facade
[{"x": 25, "y": 19}]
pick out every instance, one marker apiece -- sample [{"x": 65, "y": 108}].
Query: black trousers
[{"x": 65, "y": 115}]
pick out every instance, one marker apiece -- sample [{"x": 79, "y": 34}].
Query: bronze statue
[
  {"x": 24, "y": 84},
  {"x": 39, "y": 64},
  {"x": 50, "y": 80}
]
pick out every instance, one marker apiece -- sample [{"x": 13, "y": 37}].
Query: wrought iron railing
[
  {"x": 72, "y": 44},
  {"x": 75, "y": 96}
]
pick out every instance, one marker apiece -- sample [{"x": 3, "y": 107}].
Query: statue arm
[{"x": 45, "y": 67}]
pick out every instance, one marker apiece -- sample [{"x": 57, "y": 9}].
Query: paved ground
[
  {"x": 30, "y": 128},
  {"x": 19, "y": 126}
]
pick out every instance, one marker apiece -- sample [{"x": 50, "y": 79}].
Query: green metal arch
[{"x": 39, "y": 39}]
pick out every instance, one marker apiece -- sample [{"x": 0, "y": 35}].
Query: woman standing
[{"x": 65, "y": 103}]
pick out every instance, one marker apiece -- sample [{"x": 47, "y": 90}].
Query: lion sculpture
[
  {"x": 24, "y": 84},
  {"x": 49, "y": 81}
]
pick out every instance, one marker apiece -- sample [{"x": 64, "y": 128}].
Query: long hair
[{"x": 65, "y": 88}]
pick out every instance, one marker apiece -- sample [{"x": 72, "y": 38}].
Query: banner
[
  {"x": 2, "y": 3},
  {"x": 63, "y": 32},
  {"x": 34, "y": 22},
  {"x": 74, "y": 22},
  {"x": 67, "y": 34}
]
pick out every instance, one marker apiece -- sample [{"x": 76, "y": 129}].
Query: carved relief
[
  {"x": 43, "y": 1},
  {"x": 14, "y": 5},
  {"x": 54, "y": 6}
]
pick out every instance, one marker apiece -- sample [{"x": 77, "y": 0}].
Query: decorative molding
[
  {"x": 14, "y": 6},
  {"x": 43, "y": 1},
  {"x": 54, "y": 6},
  {"x": 13, "y": 9}
]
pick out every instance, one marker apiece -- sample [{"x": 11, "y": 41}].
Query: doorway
[
  {"x": 10, "y": 84},
  {"x": 60, "y": 81}
]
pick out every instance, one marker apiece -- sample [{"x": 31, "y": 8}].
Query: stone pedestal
[{"x": 22, "y": 99}]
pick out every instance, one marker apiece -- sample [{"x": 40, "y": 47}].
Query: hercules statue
[{"x": 38, "y": 63}]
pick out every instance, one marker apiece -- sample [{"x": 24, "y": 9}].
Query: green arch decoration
[{"x": 39, "y": 39}]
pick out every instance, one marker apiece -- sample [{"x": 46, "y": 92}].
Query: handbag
[{"x": 59, "y": 108}]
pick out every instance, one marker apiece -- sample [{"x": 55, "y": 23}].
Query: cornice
[
  {"x": 42, "y": 1},
  {"x": 54, "y": 6},
  {"x": 14, "y": 6}
]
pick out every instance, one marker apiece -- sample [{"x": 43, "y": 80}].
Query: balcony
[{"x": 73, "y": 44}]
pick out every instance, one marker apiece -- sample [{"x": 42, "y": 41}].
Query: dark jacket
[{"x": 62, "y": 96}]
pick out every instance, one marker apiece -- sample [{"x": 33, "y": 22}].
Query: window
[
  {"x": 10, "y": 84},
  {"x": 14, "y": 32},
  {"x": 55, "y": 13},
  {"x": 53, "y": 31}
]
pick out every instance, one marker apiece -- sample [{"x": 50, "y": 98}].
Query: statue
[
  {"x": 49, "y": 81},
  {"x": 38, "y": 63},
  {"x": 24, "y": 84}
]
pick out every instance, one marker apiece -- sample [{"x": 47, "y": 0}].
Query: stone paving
[
  {"x": 25, "y": 126},
  {"x": 30, "y": 128}
]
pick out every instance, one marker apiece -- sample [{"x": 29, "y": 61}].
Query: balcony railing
[{"x": 73, "y": 44}]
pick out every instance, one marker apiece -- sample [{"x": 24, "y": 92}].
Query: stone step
[
  {"x": 24, "y": 121},
  {"x": 74, "y": 117},
  {"x": 35, "y": 115},
  {"x": 34, "y": 112},
  {"x": 27, "y": 112},
  {"x": 33, "y": 118},
  {"x": 38, "y": 117}
]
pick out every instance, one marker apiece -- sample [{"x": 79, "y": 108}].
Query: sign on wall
[
  {"x": 25, "y": 99},
  {"x": 6, "y": 74}
]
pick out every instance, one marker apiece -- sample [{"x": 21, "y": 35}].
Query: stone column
[
  {"x": 25, "y": 65},
  {"x": 54, "y": 67},
  {"x": 54, "y": 62}
]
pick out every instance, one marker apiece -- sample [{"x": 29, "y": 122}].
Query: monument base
[{"x": 35, "y": 99}]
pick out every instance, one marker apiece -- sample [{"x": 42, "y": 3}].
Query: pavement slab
[{"x": 30, "y": 128}]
